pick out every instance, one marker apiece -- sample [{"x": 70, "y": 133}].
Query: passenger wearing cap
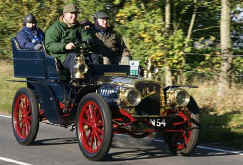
[
  {"x": 107, "y": 42},
  {"x": 30, "y": 36},
  {"x": 62, "y": 38}
]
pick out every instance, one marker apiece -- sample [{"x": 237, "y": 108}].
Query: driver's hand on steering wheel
[{"x": 70, "y": 46}]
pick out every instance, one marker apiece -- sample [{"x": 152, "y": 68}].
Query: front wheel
[
  {"x": 94, "y": 127},
  {"x": 183, "y": 133},
  {"x": 25, "y": 116}
]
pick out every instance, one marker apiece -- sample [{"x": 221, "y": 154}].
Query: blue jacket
[{"x": 28, "y": 38}]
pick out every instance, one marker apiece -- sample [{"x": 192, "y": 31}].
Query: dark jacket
[
  {"x": 28, "y": 38},
  {"x": 59, "y": 34},
  {"x": 108, "y": 43}
]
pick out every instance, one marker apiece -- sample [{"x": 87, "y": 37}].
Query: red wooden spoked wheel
[
  {"x": 94, "y": 129},
  {"x": 25, "y": 121},
  {"x": 91, "y": 126},
  {"x": 183, "y": 133},
  {"x": 22, "y": 116}
]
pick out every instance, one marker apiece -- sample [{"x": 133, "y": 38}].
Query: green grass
[
  {"x": 7, "y": 88},
  {"x": 226, "y": 129},
  {"x": 221, "y": 118}
]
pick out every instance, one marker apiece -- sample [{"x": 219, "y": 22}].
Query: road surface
[{"x": 58, "y": 146}]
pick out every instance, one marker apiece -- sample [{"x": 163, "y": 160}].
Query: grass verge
[
  {"x": 221, "y": 118},
  {"x": 7, "y": 88},
  {"x": 225, "y": 130}
]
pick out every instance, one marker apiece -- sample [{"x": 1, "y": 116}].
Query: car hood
[{"x": 131, "y": 82}]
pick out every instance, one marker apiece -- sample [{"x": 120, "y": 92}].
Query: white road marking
[
  {"x": 13, "y": 161},
  {"x": 212, "y": 148},
  {"x": 158, "y": 140},
  {"x": 6, "y": 116},
  {"x": 8, "y": 159},
  {"x": 221, "y": 150},
  {"x": 199, "y": 146}
]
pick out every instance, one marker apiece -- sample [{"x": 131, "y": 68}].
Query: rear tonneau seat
[{"x": 32, "y": 63}]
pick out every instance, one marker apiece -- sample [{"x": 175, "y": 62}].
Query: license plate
[{"x": 158, "y": 122}]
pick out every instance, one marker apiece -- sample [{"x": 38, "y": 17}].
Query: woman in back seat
[{"x": 30, "y": 36}]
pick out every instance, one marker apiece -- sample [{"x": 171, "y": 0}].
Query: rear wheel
[
  {"x": 94, "y": 127},
  {"x": 183, "y": 133},
  {"x": 25, "y": 121}
]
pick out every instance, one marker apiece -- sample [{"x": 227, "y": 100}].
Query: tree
[
  {"x": 12, "y": 14},
  {"x": 148, "y": 28},
  {"x": 226, "y": 47},
  {"x": 168, "y": 76},
  {"x": 192, "y": 22}
]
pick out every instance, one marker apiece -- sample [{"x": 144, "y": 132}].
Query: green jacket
[{"x": 59, "y": 34}]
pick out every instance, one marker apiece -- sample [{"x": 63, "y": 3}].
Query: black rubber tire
[
  {"x": 105, "y": 115},
  {"x": 32, "y": 119},
  {"x": 195, "y": 128}
]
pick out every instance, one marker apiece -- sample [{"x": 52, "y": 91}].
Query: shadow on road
[
  {"x": 56, "y": 141},
  {"x": 134, "y": 149},
  {"x": 135, "y": 154},
  {"x": 159, "y": 152},
  {"x": 125, "y": 148}
]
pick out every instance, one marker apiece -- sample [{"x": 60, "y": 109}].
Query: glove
[{"x": 37, "y": 47}]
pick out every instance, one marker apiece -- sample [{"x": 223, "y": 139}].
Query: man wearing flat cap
[
  {"x": 63, "y": 36},
  {"x": 108, "y": 43}
]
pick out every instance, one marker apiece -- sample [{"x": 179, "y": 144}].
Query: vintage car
[{"x": 100, "y": 101}]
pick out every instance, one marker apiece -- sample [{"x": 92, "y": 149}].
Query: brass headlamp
[
  {"x": 130, "y": 97},
  {"x": 80, "y": 68},
  {"x": 177, "y": 97}
]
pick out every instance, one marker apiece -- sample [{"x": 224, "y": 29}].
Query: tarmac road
[{"x": 58, "y": 146}]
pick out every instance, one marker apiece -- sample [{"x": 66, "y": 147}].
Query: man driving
[{"x": 63, "y": 38}]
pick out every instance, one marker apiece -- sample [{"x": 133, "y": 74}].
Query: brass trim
[
  {"x": 172, "y": 95},
  {"x": 115, "y": 74},
  {"x": 80, "y": 63},
  {"x": 124, "y": 95}
]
